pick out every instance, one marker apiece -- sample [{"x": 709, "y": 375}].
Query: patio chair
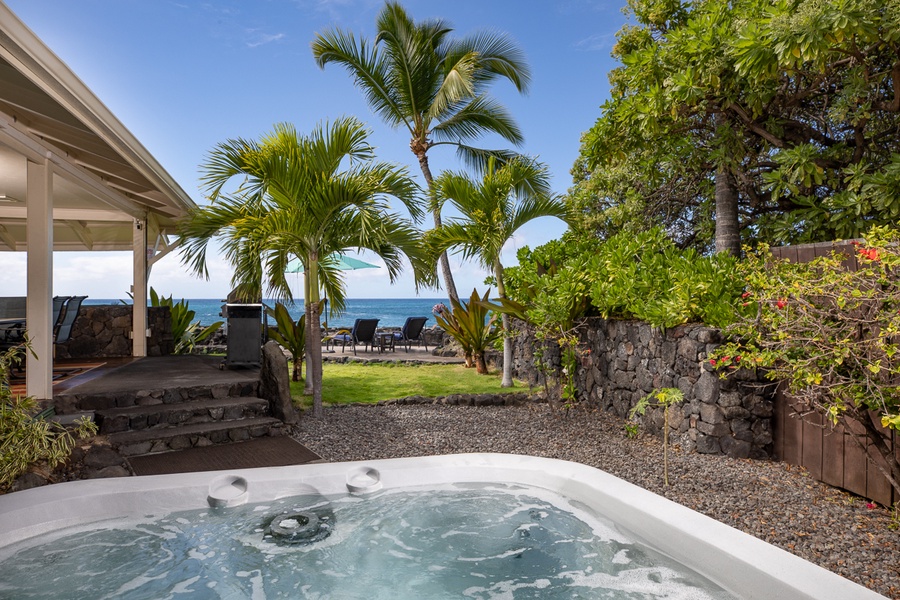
[
  {"x": 63, "y": 331},
  {"x": 363, "y": 332},
  {"x": 14, "y": 334},
  {"x": 59, "y": 303},
  {"x": 412, "y": 332}
]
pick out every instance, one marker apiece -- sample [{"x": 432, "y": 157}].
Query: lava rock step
[
  {"x": 151, "y": 441},
  {"x": 137, "y": 418},
  {"x": 75, "y": 401}
]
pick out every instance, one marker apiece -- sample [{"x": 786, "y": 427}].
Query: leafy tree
[
  {"x": 832, "y": 335},
  {"x": 493, "y": 209},
  {"x": 414, "y": 75},
  {"x": 779, "y": 118},
  {"x": 295, "y": 200}
]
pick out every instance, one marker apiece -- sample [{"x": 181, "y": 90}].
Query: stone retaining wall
[
  {"x": 620, "y": 362},
  {"x": 104, "y": 331}
]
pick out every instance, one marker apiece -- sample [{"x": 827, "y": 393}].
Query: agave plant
[
  {"x": 472, "y": 326},
  {"x": 290, "y": 334}
]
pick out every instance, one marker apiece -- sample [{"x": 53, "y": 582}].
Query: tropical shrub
[
  {"x": 472, "y": 325},
  {"x": 629, "y": 276},
  {"x": 291, "y": 335},
  {"x": 645, "y": 276},
  {"x": 25, "y": 439},
  {"x": 832, "y": 335},
  {"x": 553, "y": 281},
  {"x": 186, "y": 332}
]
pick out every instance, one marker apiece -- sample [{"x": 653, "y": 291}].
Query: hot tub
[{"x": 289, "y": 501}]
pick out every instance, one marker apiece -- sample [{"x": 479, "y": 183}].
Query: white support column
[
  {"x": 139, "y": 290},
  {"x": 38, "y": 314}
]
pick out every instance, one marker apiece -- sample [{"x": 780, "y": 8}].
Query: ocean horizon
[{"x": 390, "y": 312}]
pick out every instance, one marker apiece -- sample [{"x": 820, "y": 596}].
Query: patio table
[
  {"x": 385, "y": 340},
  {"x": 12, "y": 329}
]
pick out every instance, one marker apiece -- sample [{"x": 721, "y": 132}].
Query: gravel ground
[{"x": 773, "y": 501}]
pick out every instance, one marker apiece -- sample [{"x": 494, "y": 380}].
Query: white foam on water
[
  {"x": 454, "y": 532},
  {"x": 505, "y": 590},
  {"x": 506, "y": 554},
  {"x": 650, "y": 581},
  {"x": 184, "y": 587},
  {"x": 133, "y": 585},
  {"x": 333, "y": 573}
]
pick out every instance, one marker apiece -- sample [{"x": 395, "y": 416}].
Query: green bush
[
  {"x": 640, "y": 276},
  {"x": 25, "y": 439}
]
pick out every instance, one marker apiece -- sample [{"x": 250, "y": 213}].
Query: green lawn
[{"x": 360, "y": 382}]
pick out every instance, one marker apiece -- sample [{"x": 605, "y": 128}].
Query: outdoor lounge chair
[
  {"x": 14, "y": 334},
  {"x": 363, "y": 332},
  {"x": 63, "y": 331},
  {"x": 411, "y": 332}
]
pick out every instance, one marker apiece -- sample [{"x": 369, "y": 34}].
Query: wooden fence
[{"x": 830, "y": 454}]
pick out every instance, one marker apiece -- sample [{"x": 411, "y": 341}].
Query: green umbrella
[{"x": 341, "y": 263}]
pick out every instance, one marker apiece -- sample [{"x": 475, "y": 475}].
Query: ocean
[{"x": 391, "y": 312}]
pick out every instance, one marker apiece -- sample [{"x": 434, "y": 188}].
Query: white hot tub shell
[{"x": 740, "y": 563}]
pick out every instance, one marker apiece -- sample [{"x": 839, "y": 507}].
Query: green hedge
[{"x": 640, "y": 276}]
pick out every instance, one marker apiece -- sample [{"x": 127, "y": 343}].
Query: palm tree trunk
[
  {"x": 507, "y": 340},
  {"x": 728, "y": 233},
  {"x": 308, "y": 384},
  {"x": 314, "y": 337},
  {"x": 298, "y": 368},
  {"x": 444, "y": 261},
  {"x": 314, "y": 368}
]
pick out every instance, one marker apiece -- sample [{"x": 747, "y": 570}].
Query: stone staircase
[{"x": 163, "y": 420}]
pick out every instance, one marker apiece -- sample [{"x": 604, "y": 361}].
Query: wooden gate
[{"x": 830, "y": 454}]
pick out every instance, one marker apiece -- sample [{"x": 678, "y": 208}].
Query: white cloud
[
  {"x": 12, "y": 273},
  {"x": 260, "y": 39},
  {"x": 596, "y": 42}
]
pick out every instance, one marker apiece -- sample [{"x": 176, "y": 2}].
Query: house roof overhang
[{"x": 104, "y": 179}]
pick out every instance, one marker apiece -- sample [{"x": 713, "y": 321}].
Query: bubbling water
[{"x": 485, "y": 541}]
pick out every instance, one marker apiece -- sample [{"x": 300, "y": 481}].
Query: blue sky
[{"x": 184, "y": 75}]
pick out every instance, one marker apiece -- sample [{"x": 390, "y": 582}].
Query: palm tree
[
  {"x": 493, "y": 209},
  {"x": 415, "y": 76},
  {"x": 295, "y": 201}
]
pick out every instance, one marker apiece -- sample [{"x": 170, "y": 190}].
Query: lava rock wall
[
  {"x": 104, "y": 330},
  {"x": 620, "y": 362}
]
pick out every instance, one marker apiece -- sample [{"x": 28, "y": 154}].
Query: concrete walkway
[{"x": 416, "y": 355}]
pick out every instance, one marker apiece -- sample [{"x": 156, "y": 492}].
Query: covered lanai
[{"x": 72, "y": 177}]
